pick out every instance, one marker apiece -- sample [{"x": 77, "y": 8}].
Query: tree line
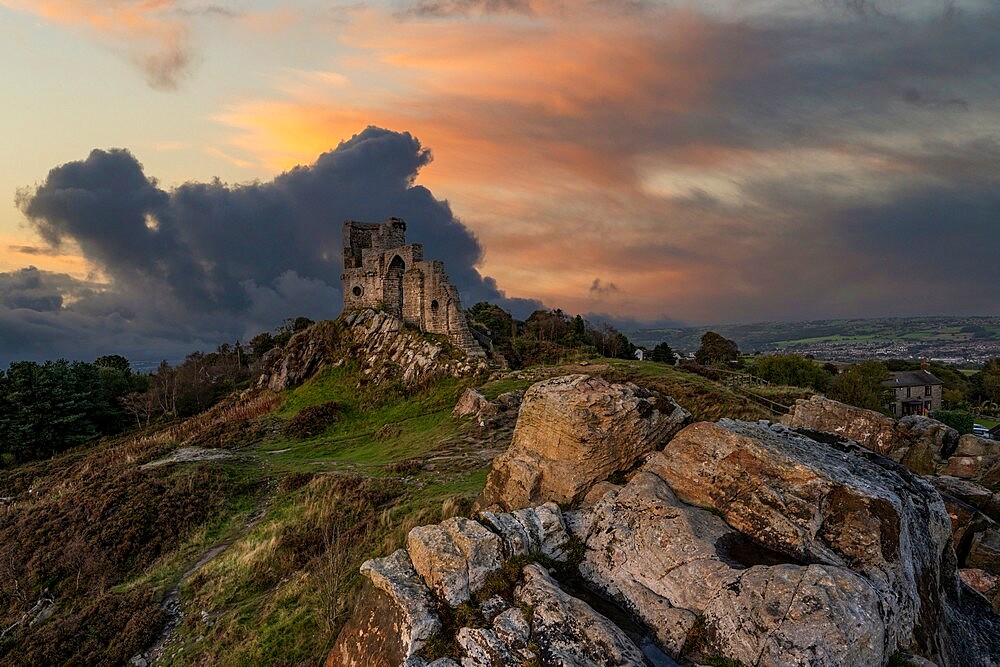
[
  {"x": 546, "y": 336},
  {"x": 46, "y": 408}
]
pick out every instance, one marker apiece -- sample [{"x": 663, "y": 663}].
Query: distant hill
[{"x": 957, "y": 340}]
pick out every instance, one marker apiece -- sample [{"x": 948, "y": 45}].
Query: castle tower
[{"x": 383, "y": 272}]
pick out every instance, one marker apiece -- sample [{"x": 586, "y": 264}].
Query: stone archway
[{"x": 393, "y": 286}]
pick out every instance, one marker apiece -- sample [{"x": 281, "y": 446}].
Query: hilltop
[{"x": 235, "y": 536}]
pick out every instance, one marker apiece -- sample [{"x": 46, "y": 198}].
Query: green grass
[
  {"x": 282, "y": 591},
  {"x": 837, "y": 338},
  {"x": 418, "y": 423},
  {"x": 988, "y": 423}
]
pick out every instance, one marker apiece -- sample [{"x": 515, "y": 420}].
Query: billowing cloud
[{"x": 210, "y": 261}]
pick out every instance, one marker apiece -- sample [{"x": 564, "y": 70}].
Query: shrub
[
  {"x": 791, "y": 369},
  {"x": 313, "y": 420},
  {"x": 959, "y": 420}
]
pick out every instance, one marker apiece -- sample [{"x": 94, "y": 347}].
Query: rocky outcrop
[
  {"x": 469, "y": 403},
  {"x": 302, "y": 357},
  {"x": 739, "y": 541},
  {"x": 923, "y": 444},
  {"x": 379, "y": 342},
  {"x": 975, "y": 459},
  {"x": 573, "y": 432},
  {"x": 567, "y": 630},
  {"x": 536, "y": 530}
]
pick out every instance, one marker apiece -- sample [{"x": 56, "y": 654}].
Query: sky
[{"x": 176, "y": 172}]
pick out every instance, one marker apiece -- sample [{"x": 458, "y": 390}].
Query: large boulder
[
  {"x": 822, "y": 505},
  {"x": 670, "y": 563},
  {"x": 573, "y": 432},
  {"x": 868, "y": 428},
  {"x": 920, "y": 443},
  {"x": 469, "y": 403}
]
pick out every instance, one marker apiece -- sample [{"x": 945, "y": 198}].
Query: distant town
[{"x": 959, "y": 341}]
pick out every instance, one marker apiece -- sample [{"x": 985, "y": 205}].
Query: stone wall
[{"x": 383, "y": 272}]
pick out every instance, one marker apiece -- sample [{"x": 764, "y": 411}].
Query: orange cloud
[
  {"x": 149, "y": 31},
  {"x": 514, "y": 111}
]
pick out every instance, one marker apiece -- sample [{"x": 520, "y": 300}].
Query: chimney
[{"x": 925, "y": 365}]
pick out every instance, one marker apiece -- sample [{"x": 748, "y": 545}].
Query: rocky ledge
[
  {"x": 752, "y": 543},
  {"x": 383, "y": 345}
]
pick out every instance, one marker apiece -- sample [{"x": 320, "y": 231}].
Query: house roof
[{"x": 911, "y": 379}]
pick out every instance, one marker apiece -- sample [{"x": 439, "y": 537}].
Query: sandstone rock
[
  {"x": 969, "y": 492},
  {"x": 924, "y": 444},
  {"x": 536, "y": 530},
  {"x": 573, "y": 432},
  {"x": 454, "y": 557},
  {"x": 636, "y": 536},
  {"x": 482, "y": 648},
  {"x": 794, "y": 615},
  {"x": 597, "y": 492},
  {"x": 869, "y": 429},
  {"x": 970, "y": 445},
  {"x": 966, "y": 464},
  {"x": 394, "y": 618},
  {"x": 666, "y": 562},
  {"x": 984, "y": 552},
  {"x": 496, "y": 414},
  {"x": 821, "y": 505},
  {"x": 469, "y": 403},
  {"x": 506, "y": 643},
  {"x": 568, "y": 631}
]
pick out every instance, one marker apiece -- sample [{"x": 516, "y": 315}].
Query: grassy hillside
[{"x": 253, "y": 535}]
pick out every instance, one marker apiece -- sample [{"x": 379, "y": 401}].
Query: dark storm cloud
[{"x": 230, "y": 260}]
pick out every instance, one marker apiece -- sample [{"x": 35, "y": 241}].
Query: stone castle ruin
[{"x": 382, "y": 271}]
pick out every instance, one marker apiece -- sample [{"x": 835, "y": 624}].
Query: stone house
[
  {"x": 382, "y": 271},
  {"x": 914, "y": 393}
]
